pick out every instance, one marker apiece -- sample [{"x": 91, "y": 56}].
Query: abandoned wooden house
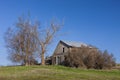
[{"x": 63, "y": 48}]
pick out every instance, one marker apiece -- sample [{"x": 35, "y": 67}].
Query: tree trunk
[
  {"x": 26, "y": 63},
  {"x": 42, "y": 59}
]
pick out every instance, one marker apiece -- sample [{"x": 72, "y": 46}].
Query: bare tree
[
  {"x": 21, "y": 42},
  {"x": 28, "y": 38},
  {"x": 45, "y": 38}
]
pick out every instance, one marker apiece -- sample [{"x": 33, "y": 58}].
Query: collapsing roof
[{"x": 74, "y": 44}]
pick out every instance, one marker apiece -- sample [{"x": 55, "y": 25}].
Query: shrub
[{"x": 87, "y": 57}]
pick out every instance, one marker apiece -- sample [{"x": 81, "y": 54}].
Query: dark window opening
[{"x": 63, "y": 50}]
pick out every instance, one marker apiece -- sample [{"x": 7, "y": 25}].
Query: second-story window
[{"x": 63, "y": 50}]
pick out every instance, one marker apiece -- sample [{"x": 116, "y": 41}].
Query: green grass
[{"x": 56, "y": 73}]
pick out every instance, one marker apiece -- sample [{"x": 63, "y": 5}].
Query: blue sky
[{"x": 95, "y": 22}]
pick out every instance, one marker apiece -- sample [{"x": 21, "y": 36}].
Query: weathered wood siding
[
  {"x": 59, "y": 53},
  {"x": 59, "y": 49},
  {"x": 63, "y": 49}
]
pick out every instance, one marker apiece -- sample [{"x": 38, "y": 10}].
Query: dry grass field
[{"x": 56, "y": 73}]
